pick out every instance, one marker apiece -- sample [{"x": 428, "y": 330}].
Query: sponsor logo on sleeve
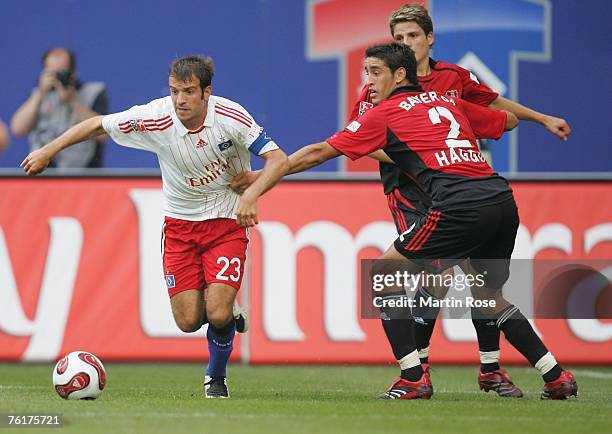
[
  {"x": 353, "y": 126},
  {"x": 137, "y": 125},
  {"x": 267, "y": 138}
]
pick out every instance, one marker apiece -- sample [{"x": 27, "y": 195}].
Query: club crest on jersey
[
  {"x": 201, "y": 143},
  {"x": 225, "y": 145},
  {"x": 170, "y": 282},
  {"x": 364, "y": 106},
  {"x": 137, "y": 125},
  {"x": 453, "y": 93}
]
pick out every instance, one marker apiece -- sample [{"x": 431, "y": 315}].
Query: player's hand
[
  {"x": 246, "y": 214},
  {"x": 243, "y": 180},
  {"x": 36, "y": 161},
  {"x": 557, "y": 126}
]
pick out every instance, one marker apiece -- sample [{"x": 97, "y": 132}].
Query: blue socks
[{"x": 220, "y": 346}]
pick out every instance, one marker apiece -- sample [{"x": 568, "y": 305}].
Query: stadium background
[{"x": 78, "y": 256}]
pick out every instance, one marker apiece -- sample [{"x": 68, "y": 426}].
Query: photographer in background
[
  {"x": 4, "y": 136},
  {"x": 59, "y": 102}
]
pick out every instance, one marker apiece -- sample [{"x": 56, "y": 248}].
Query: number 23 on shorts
[{"x": 230, "y": 269}]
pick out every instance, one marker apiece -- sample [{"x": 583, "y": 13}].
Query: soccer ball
[{"x": 79, "y": 375}]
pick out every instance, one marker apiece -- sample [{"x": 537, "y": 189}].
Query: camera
[{"x": 64, "y": 77}]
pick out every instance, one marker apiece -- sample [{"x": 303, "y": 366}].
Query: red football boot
[
  {"x": 404, "y": 389},
  {"x": 561, "y": 388},
  {"x": 500, "y": 382}
]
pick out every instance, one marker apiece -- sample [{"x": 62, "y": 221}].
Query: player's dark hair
[
  {"x": 70, "y": 53},
  {"x": 396, "y": 56},
  {"x": 200, "y": 66},
  {"x": 412, "y": 12}
]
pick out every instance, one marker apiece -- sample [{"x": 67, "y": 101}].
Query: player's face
[
  {"x": 189, "y": 102},
  {"x": 381, "y": 81},
  {"x": 412, "y": 35}
]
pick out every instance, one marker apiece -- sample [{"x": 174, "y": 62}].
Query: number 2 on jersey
[
  {"x": 435, "y": 113},
  {"x": 234, "y": 277}
]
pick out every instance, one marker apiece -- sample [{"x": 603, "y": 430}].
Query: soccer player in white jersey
[{"x": 202, "y": 141}]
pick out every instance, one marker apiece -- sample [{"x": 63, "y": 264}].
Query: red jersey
[
  {"x": 432, "y": 137},
  {"x": 447, "y": 79},
  {"x": 457, "y": 82}
]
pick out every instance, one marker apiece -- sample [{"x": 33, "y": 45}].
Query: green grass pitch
[{"x": 167, "y": 398}]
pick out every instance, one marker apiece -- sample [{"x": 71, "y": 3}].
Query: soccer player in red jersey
[
  {"x": 432, "y": 137},
  {"x": 412, "y": 25},
  {"x": 202, "y": 141}
]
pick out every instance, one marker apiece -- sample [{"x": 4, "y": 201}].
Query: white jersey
[{"x": 196, "y": 166}]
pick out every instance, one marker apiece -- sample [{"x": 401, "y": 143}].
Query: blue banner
[{"x": 539, "y": 52}]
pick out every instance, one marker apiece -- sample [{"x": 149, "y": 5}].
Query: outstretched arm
[
  {"x": 487, "y": 123},
  {"x": 311, "y": 156},
  {"x": 37, "y": 161},
  {"x": 301, "y": 160},
  {"x": 558, "y": 126},
  {"x": 511, "y": 121},
  {"x": 274, "y": 168}
]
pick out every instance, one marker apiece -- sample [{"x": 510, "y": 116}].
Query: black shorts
[
  {"x": 486, "y": 235},
  {"x": 406, "y": 208}
]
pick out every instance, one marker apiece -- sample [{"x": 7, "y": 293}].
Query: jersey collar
[
  {"x": 432, "y": 67},
  {"x": 406, "y": 89},
  {"x": 210, "y": 112}
]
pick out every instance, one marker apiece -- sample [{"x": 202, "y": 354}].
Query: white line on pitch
[{"x": 592, "y": 374}]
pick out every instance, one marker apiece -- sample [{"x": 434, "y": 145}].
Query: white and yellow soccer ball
[{"x": 79, "y": 375}]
